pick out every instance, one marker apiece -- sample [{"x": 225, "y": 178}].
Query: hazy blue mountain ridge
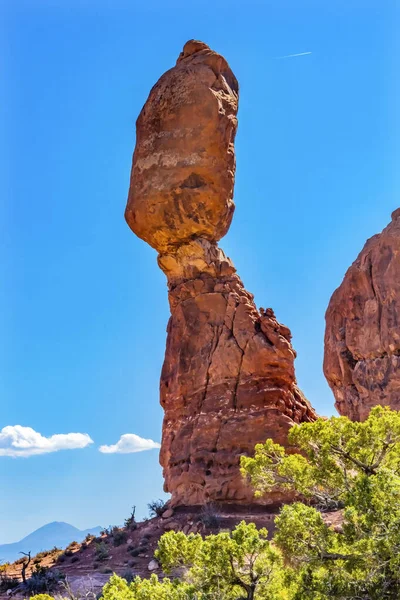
[{"x": 45, "y": 538}]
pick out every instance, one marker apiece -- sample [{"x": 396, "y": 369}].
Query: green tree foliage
[
  {"x": 147, "y": 589},
  {"x": 351, "y": 466},
  {"x": 237, "y": 565},
  {"x": 228, "y": 565}
]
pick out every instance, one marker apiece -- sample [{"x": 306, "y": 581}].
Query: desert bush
[
  {"x": 68, "y": 552},
  {"x": 130, "y": 522},
  {"x": 156, "y": 508},
  {"x": 72, "y": 546},
  {"x": 44, "y": 553},
  {"x": 43, "y": 580},
  {"x": 132, "y": 563},
  {"x": 75, "y": 559},
  {"x": 106, "y": 570},
  {"x": 7, "y": 582},
  {"x": 210, "y": 516},
  {"x": 101, "y": 551},
  {"x": 42, "y": 597},
  {"x": 119, "y": 536},
  {"x": 128, "y": 575},
  {"x": 138, "y": 550}
]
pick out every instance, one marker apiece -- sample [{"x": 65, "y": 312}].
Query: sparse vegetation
[
  {"x": 128, "y": 576},
  {"x": 6, "y": 581},
  {"x": 130, "y": 522},
  {"x": 210, "y": 516},
  {"x": 119, "y": 536},
  {"x": 139, "y": 550},
  {"x": 156, "y": 508},
  {"x": 101, "y": 551},
  {"x": 42, "y": 580}
]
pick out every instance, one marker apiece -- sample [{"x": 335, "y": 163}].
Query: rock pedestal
[
  {"x": 228, "y": 378},
  {"x": 362, "y": 337}
]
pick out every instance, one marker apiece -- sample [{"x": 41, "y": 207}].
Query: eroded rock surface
[
  {"x": 362, "y": 337},
  {"x": 184, "y": 161},
  {"x": 228, "y": 378}
]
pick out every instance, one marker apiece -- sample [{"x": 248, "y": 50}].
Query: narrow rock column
[{"x": 228, "y": 378}]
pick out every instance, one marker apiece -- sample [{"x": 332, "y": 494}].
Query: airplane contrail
[{"x": 292, "y": 55}]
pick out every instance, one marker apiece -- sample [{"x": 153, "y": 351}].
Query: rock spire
[{"x": 228, "y": 379}]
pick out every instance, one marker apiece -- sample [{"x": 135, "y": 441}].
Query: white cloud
[
  {"x": 16, "y": 440},
  {"x": 128, "y": 443}
]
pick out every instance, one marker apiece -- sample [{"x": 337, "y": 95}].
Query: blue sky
[{"x": 83, "y": 306}]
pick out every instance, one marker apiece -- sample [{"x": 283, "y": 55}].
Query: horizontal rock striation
[
  {"x": 362, "y": 337},
  {"x": 227, "y": 383}
]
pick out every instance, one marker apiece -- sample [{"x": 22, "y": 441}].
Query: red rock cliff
[
  {"x": 362, "y": 337},
  {"x": 228, "y": 378}
]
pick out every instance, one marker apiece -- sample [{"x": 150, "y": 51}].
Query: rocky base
[{"x": 227, "y": 383}]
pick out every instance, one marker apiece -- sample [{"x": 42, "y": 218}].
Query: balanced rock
[
  {"x": 184, "y": 161},
  {"x": 362, "y": 337},
  {"x": 228, "y": 379}
]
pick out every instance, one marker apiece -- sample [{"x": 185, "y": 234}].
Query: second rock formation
[{"x": 362, "y": 336}]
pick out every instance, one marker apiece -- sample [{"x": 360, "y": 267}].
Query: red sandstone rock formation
[
  {"x": 228, "y": 378},
  {"x": 362, "y": 337}
]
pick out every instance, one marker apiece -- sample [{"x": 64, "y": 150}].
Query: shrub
[
  {"x": 43, "y": 580},
  {"x": 42, "y": 597},
  {"x": 75, "y": 559},
  {"x": 106, "y": 570},
  {"x": 132, "y": 563},
  {"x": 72, "y": 545},
  {"x": 343, "y": 464},
  {"x": 156, "y": 508},
  {"x": 7, "y": 582},
  {"x": 210, "y": 516},
  {"x": 101, "y": 551},
  {"x": 130, "y": 522},
  {"x": 119, "y": 536},
  {"x": 128, "y": 576}
]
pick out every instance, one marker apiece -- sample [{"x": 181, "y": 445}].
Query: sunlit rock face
[
  {"x": 184, "y": 161},
  {"x": 228, "y": 379},
  {"x": 362, "y": 337}
]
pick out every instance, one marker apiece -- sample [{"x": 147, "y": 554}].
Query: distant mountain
[{"x": 45, "y": 538}]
